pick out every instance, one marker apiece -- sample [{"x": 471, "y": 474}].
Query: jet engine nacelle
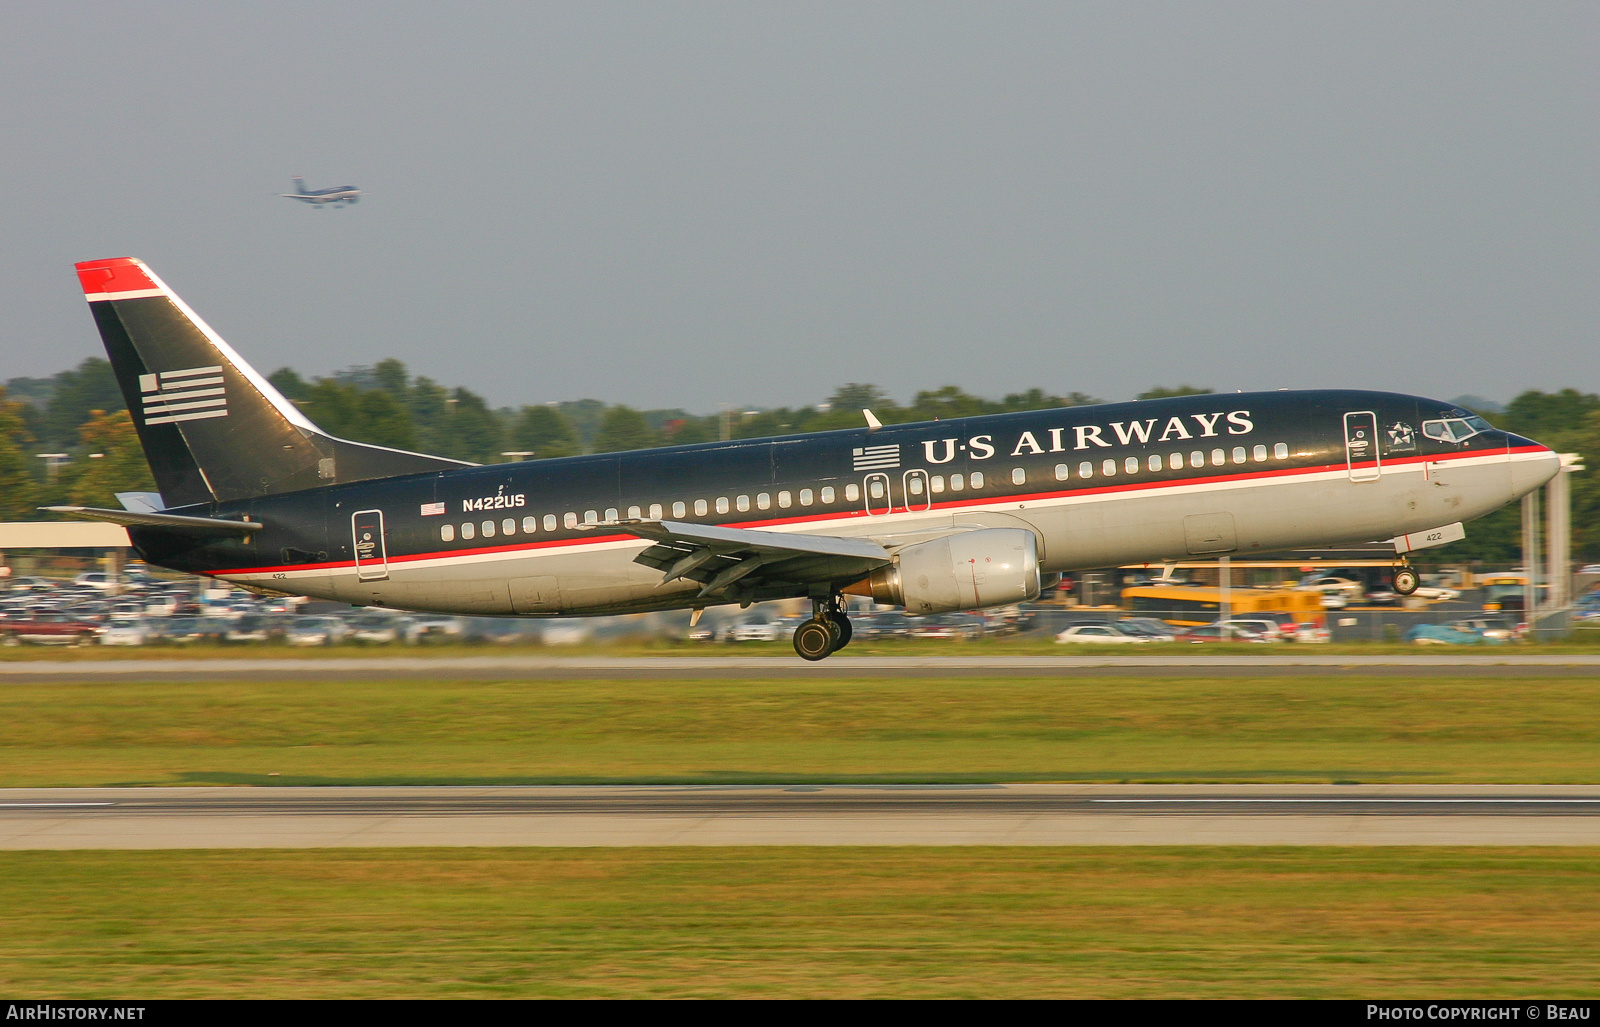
[{"x": 965, "y": 571}]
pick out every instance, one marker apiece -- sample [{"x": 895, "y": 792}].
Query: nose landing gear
[
  {"x": 1405, "y": 580},
  {"x": 825, "y": 633}
]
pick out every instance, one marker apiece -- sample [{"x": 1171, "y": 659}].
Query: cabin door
[
  {"x": 371, "y": 555},
  {"x": 1361, "y": 446}
]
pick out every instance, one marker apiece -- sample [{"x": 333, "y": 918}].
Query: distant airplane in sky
[{"x": 342, "y": 194}]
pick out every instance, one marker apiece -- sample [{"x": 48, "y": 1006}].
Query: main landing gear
[{"x": 825, "y": 633}]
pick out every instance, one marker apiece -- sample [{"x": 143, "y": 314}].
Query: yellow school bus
[{"x": 1202, "y": 604}]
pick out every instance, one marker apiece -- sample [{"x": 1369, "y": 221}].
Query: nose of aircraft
[{"x": 1531, "y": 464}]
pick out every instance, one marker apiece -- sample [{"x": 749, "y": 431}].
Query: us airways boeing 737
[
  {"x": 317, "y": 197},
  {"x": 937, "y": 516}
]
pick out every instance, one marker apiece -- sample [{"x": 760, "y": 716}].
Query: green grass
[
  {"x": 1337, "y": 727},
  {"x": 782, "y": 922}
]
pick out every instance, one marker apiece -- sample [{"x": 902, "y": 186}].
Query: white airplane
[{"x": 317, "y": 197}]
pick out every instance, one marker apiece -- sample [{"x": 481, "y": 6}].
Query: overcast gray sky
[{"x": 699, "y": 204}]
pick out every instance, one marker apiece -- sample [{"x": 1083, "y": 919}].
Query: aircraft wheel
[
  {"x": 1405, "y": 581},
  {"x": 841, "y": 628},
  {"x": 813, "y": 640}
]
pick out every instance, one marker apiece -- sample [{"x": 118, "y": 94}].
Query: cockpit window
[{"x": 1459, "y": 428}]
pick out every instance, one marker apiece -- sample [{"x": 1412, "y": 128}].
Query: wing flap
[{"x": 743, "y": 560}]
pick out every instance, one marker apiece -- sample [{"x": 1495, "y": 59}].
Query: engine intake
[{"x": 966, "y": 571}]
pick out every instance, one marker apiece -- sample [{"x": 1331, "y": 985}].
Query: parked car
[
  {"x": 1207, "y": 633},
  {"x": 948, "y": 625},
  {"x": 753, "y": 631},
  {"x": 1450, "y": 634},
  {"x": 128, "y": 632},
  {"x": 884, "y": 624},
  {"x": 48, "y": 629},
  {"x": 1490, "y": 627},
  {"x": 1149, "y": 627},
  {"x": 1330, "y": 584},
  {"x": 254, "y": 627},
  {"x": 1268, "y": 628},
  {"x": 315, "y": 631},
  {"x": 375, "y": 626},
  {"x": 1098, "y": 633},
  {"x": 433, "y": 627},
  {"x": 194, "y": 629}
]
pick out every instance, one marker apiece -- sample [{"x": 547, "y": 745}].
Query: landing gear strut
[{"x": 825, "y": 633}]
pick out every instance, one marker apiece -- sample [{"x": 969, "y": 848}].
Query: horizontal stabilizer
[{"x": 176, "y": 523}]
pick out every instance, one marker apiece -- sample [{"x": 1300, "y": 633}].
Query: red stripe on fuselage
[{"x": 1144, "y": 486}]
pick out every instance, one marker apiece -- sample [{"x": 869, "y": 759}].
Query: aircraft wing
[
  {"x": 176, "y": 523},
  {"x": 738, "y": 563}
]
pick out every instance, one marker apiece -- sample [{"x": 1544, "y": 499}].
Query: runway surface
[
  {"x": 290, "y": 667},
  {"x": 184, "y": 818}
]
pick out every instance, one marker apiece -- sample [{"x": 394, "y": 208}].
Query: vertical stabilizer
[
  {"x": 300, "y": 186},
  {"x": 214, "y": 429}
]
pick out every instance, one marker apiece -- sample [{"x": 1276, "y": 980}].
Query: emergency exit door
[
  {"x": 371, "y": 555},
  {"x": 1361, "y": 446}
]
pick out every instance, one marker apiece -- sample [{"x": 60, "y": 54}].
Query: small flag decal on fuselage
[
  {"x": 876, "y": 458},
  {"x": 186, "y": 395},
  {"x": 432, "y": 509}
]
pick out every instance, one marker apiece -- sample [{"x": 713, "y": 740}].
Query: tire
[
  {"x": 1405, "y": 581},
  {"x": 813, "y": 640},
  {"x": 843, "y": 632}
]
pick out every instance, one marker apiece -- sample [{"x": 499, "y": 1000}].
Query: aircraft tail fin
[
  {"x": 300, "y": 186},
  {"x": 213, "y": 429}
]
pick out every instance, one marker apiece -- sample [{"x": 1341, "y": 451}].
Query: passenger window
[
  {"x": 1019, "y": 476},
  {"x": 1238, "y": 454},
  {"x": 722, "y": 504},
  {"x": 1131, "y": 465},
  {"x": 591, "y": 517},
  {"x": 957, "y": 483},
  {"x": 700, "y": 508},
  {"x": 679, "y": 510},
  {"x": 1154, "y": 463},
  {"x": 805, "y": 497},
  {"x": 1218, "y": 457},
  {"x": 936, "y": 484},
  {"x": 447, "y": 532},
  {"x": 876, "y": 489},
  {"x": 570, "y": 519},
  {"x": 1086, "y": 470},
  {"x": 976, "y": 479},
  {"x": 655, "y": 511},
  {"x": 1281, "y": 451},
  {"x": 549, "y": 522},
  {"x": 530, "y": 524},
  {"x": 1197, "y": 459},
  {"x": 508, "y": 526},
  {"x": 914, "y": 485},
  {"x": 634, "y": 513},
  {"x": 611, "y": 513},
  {"x": 1062, "y": 472},
  {"x": 764, "y": 501},
  {"x": 1259, "y": 453},
  {"x": 468, "y": 531},
  {"x": 1175, "y": 461},
  {"x": 1108, "y": 468},
  {"x": 783, "y": 500},
  {"x": 852, "y": 492},
  {"x": 827, "y": 494},
  {"x": 488, "y": 529}
]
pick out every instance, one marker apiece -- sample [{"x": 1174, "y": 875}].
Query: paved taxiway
[
  {"x": 290, "y": 667},
  {"x": 1030, "y": 814}
]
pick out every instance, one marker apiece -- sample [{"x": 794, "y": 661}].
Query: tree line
[{"x": 80, "y": 413}]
